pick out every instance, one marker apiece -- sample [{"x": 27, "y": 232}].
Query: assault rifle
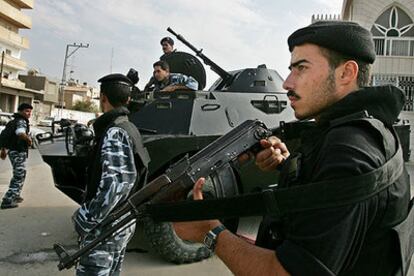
[{"x": 175, "y": 183}]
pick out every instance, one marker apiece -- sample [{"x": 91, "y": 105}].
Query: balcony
[
  {"x": 396, "y": 46},
  {"x": 14, "y": 16},
  {"x": 14, "y": 63},
  {"x": 24, "y": 4},
  {"x": 14, "y": 39},
  {"x": 15, "y": 84}
]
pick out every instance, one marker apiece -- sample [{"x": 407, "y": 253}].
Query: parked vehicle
[{"x": 47, "y": 121}]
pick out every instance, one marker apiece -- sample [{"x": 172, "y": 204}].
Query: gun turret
[{"x": 226, "y": 76}]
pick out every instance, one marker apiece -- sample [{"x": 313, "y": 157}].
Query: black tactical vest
[
  {"x": 300, "y": 167},
  {"x": 141, "y": 157},
  {"x": 16, "y": 143}
]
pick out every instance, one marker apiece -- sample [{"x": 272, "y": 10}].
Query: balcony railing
[
  {"x": 396, "y": 46},
  {"x": 24, "y": 4},
  {"x": 16, "y": 84},
  {"x": 13, "y": 38},
  {"x": 406, "y": 83},
  {"x": 14, "y": 63},
  {"x": 14, "y": 15}
]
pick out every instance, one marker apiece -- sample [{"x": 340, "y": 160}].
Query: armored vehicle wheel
[{"x": 173, "y": 249}]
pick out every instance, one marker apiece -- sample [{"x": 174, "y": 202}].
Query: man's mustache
[{"x": 292, "y": 93}]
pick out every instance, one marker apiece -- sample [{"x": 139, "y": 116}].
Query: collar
[
  {"x": 107, "y": 119},
  {"x": 382, "y": 102},
  {"x": 19, "y": 116}
]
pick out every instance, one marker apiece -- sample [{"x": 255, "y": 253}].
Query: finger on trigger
[
  {"x": 265, "y": 143},
  {"x": 197, "y": 189},
  {"x": 274, "y": 140}
]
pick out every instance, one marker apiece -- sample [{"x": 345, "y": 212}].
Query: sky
[{"x": 126, "y": 34}]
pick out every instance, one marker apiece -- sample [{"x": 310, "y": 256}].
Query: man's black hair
[
  {"x": 163, "y": 64},
  {"x": 24, "y": 106},
  {"x": 335, "y": 59},
  {"x": 167, "y": 39},
  {"x": 117, "y": 88}
]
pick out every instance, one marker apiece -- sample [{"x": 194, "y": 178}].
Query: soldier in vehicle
[
  {"x": 330, "y": 69},
  {"x": 168, "y": 82},
  {"x": 167, "y": 44},
  {"x": 118, "y": 166},
  {"x": 16, "y": 140}
]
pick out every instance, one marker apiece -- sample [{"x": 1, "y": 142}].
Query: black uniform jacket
[{"x": 355, "y": 239}]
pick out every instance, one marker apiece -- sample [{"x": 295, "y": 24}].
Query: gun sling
[{"x": 280, "y": 202}]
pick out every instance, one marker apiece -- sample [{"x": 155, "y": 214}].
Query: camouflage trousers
[
  {"x": 18, "y": 161},
  {"x": 106, "y": 259}
]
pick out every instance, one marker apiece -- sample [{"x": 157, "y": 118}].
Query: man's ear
[
  {"x": 348, "y": 73},
  {"x": 104, "y": 98}
]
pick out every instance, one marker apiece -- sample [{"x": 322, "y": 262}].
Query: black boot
[{"x": 9, "y": 203}]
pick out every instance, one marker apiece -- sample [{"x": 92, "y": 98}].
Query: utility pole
[
  {"x": 1, "y": 68},
  {"x": 68, "y": 54},
  {"x": 112, "y": 58}
]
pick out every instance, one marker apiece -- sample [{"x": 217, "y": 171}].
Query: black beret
[
  {"x": 24, "y": 106},
  {"x": 116, "y": 86},
  {"x": 167, "y": 39},
  {"x": 115, "y": 79},
  {"x": 344, "y": 37}
]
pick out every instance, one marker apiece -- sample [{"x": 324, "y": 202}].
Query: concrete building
[
  {"x": 12, "y": 90},
  {"x": 392, "y": 25},
  {"x": 74, "y": 91},
  {"x": 47, "y": 99}
]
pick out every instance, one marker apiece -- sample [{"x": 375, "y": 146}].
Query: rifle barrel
[{"x": 217, "y": 69}]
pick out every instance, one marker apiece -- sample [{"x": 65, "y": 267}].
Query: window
[{"x": 393, "y": 33}]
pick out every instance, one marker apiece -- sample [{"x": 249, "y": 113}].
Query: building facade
[
  {"x": 12, "y": 19},
  {"x": 73, "y": 91},
  {"x": 392, "y": 26},
  {"x": 46, "y": 100}
]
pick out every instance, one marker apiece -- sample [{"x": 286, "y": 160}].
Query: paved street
[{"x": 28, "y": 232}]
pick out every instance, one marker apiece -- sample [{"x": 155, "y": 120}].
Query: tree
[{"x": 85, "y": 106}]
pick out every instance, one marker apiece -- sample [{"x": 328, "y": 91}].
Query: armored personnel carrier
[{"x": 174, "y": 124}]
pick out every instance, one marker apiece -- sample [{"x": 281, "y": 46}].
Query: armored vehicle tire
[{"x": 163, "y": 238}]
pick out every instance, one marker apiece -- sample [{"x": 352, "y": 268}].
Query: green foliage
[{"x": 85, "y": 106}]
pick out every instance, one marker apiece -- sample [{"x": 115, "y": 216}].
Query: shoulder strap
[
  {"x": 141, "y": 156},
  {"x": 281, "y": 202},
  {"x": 388, "y": 135},
  {"x": 135, "y": 137}
]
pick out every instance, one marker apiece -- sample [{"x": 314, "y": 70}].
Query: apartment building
[{"x": 12, "y": 19}]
